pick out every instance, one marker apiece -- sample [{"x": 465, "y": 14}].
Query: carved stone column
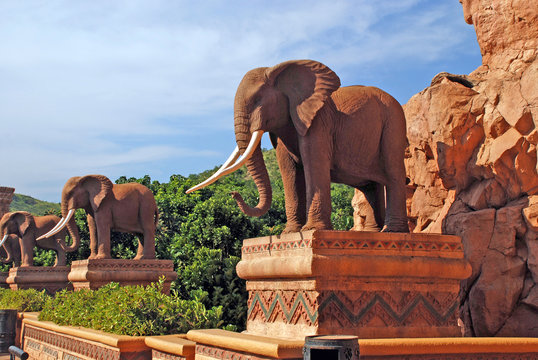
[{"x": 6, "y": 195}]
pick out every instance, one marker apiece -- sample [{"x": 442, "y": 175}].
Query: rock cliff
[{"x": 472, "y": 169}]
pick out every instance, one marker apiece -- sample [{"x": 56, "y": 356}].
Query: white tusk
[
  {"x": 254, "y": 141},
  {"x": 210, "y": 180},
  {"x": 61, "y": 224},
  {"x": 3, "y": 240}
]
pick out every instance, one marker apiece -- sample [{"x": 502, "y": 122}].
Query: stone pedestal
[
  {"x": 94, "y": 273},
  {"x": 373, "y": 285},
  {"x": 49, "y": 278},
  {"x": 3, "y": 278}
]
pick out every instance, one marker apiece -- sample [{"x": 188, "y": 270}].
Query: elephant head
[
  {"x": 9, "y": 226},
  {"x": 86, "y": 192},
  {"x": 16, "y": 223},
  {"x": 283, "y": 100}
]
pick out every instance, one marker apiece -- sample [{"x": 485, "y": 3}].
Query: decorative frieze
[{"x": 373, "y": 285}]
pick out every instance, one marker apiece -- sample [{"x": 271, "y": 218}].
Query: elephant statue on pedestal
[
  {"x": 322, "y": 132},
  {"x": 28, "y": 229},
  {"x": 129, "y": 208}
]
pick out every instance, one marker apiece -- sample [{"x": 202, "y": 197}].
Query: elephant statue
[
  {"x": 129, "y": 208},
  {"x": 322, "y": 133},
  {"x": 10, "y": 251},
  {"x": 28, "y": 229}
]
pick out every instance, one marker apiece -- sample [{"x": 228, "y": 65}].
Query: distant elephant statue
[
  {"x": 10, "y": 250},
  {"x": 129, "y": 208},
  {"x": 322, "y": 132},
  {"x": 28, "y": 229}
]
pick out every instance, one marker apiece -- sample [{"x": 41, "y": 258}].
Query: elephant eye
[{"x": 257, "y": 100}]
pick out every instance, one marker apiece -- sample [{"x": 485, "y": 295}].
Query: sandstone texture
[{"x": 472, "y": 169}]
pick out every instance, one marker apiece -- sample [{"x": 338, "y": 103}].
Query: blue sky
[{"x": 146, "y": 87}]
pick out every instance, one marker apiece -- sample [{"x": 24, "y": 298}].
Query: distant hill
[{"x": 36, "y": 207}]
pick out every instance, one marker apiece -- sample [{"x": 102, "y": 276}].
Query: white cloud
[{"x": 81, "y": 76}]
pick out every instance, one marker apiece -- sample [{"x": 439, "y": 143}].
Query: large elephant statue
[
  {"x": 129, "y": 208},
  {"x": 322, "y": 132},
  {"x": 28, "y": 229}
]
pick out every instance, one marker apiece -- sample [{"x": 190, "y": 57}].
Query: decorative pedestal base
[
  {"x": 94, "y": 273},
  {"x": 3, "y": 278},
  {"x": 49, "y": 278},
  {"x": 372, "y": 285}
]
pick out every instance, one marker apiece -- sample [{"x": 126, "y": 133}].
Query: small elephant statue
[
  {"x": 129, "y": 208},
  {"x": 322, "y": 133},
  {"x": 28, "y": 229}
]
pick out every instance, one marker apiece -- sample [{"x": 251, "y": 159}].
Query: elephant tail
[{"x": 156, "y": 216}]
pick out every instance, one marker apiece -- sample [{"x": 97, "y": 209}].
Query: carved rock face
[{"x": 472, "y": 166}]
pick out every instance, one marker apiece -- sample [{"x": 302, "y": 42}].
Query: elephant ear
[
  {"x": 99, "y": 187},
  {"x": 25, "y": 220},
  {"x": 307, "y": 84}
]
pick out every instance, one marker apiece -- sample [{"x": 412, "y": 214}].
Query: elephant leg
[
  {"x": 294, "y": 189},
  {"x": 27, "y": 251},
  {"x": 393, "y": 149},
  {"x": 16, "y": 252},
  {"x": 93, "y": 236},
  {"x": 375, "y": 213},
  {"x": 146, "y": 247},
  {"x": 103, "y": 223},
  {"x": 316, "y": 164}
]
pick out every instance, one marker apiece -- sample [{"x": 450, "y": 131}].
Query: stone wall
[{"x": 472, "y": 167}]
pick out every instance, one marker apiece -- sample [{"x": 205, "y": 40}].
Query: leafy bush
[
  {"x": 23, "y": 300},
  {"x": 130, "y": 310}
]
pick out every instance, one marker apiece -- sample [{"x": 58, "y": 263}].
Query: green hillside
[{"x": 27, "y": 203}]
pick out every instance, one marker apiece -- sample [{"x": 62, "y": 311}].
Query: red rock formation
[{"x": 472, "y": 167}]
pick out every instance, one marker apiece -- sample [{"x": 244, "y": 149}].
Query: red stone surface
[
  {"x": 94, "y": 273},
  {"x": 373, "y": 285},
  {"x": 49, "y": 278}
]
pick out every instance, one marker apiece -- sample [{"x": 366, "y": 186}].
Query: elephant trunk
[
  {"x": 9, "y": 257},
  {"x": 258, "y": 171},
  {"x": 5, "y": 237},
  {"x": 72, "y": 228}
]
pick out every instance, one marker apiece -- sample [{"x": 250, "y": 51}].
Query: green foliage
[
  {"x": 342, "y": 211},
  {"x": 23, "y": 300},
  {"x": 33, "y": 206},
  {"x": 131, "y": 310}
]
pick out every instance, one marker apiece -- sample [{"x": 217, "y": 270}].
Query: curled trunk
[
  {"x": 73, "y": 231},
  {"x": 3, "y": 233},
  {"x": 9, "y": 257},
  {"x": 258, "y": 172}
]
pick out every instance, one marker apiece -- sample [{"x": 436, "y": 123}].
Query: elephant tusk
[
  {"x": 61, "y": 224},
  {"x": 3, "y": 240},
  {"x": 254, "y": 142},
  {"x": 210, "y": 180}
]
